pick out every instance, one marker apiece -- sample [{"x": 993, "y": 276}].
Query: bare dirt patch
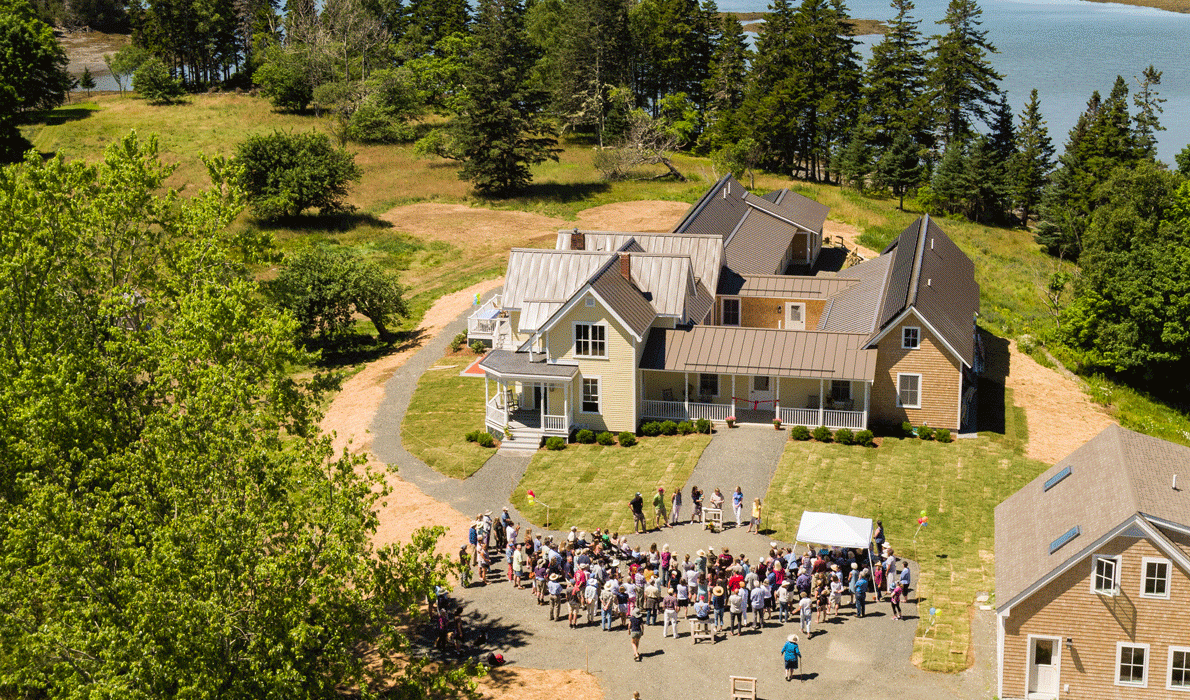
[
  {"x": 850, "y": 235},
  {"x": 644, "y": 216},
  {"x": 461, "y": 225},
  {"x": 1060, "y": 415},
  {"x": 535, "y": 684}
]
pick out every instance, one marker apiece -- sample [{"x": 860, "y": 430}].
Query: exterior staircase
[{"x": 523, "y": 441}]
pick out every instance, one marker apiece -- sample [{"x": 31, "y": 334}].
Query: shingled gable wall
[
  {"x": 941, "y": 379},
  {"x": 1066, "y": 608}
]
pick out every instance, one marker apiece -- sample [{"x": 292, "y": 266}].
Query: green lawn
[
  {"x": 590, "y": 485},
  {"x": 957, "y": 484},
  {"x": 443, "y": 409}
]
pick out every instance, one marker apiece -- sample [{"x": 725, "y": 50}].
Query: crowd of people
[{"x": 600, "y": 579}]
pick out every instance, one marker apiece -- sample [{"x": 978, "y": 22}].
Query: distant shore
[
  {"x": 1182, "y": 6},
  {"x": 862, "y": 26}
]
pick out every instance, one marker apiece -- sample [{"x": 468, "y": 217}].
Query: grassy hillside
[{"x": 1009, "y": 266}]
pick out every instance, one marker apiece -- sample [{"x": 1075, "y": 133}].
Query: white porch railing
[
  {"x": 485, "y": 328},
  {"x": 844, "y": 419},
  {"x": 496, "y": 416},
  {"x": 556, "y": 424},
  {"x": 678, "y": 410},
  {"x": 834, "y": 420}
]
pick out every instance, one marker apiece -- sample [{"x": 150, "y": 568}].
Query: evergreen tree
[
  {"x": 900, "y": 167},
  {"x": 1033, "y": 160},
  {"x": 87, "y": 81},
  {"x": 1148, "y": 111},
  {"x": 896, "y": 83},
  {"x": 500, "y": 130},
  {"x": 964, "y": 86},
  {"x": 725, "y": 88},
  {"x": 673, "y": 41},
  {"x": 774, "y": 89}
]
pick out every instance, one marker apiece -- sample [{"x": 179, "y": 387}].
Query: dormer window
[
  {"x": 910, "y": 337},
  {"x": 590, "y": 340}
]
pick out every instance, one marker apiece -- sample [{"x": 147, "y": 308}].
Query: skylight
[
  {"x": 1061, "y": 541},
  {"x": 1053, "y": 480}
]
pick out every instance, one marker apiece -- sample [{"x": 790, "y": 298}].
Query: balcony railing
[
  {"x": 677, "y": 410},
  {"x": 484, "y": 323}
]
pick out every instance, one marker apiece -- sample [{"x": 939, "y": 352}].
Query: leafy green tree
[
  {"x": 172, "y": 525},
  {"x": 323, "y": 288},
  {"x": 500, "y": 130},
  {"x": 154, "y": 83},
  {"x": 285, "y": 174},
  {"x": 32, "y": 63},
  {"x": 1034, "y": 158},
  {"x": 854, "y": 163},
  {"x": 286, "y": 78},
  {"x": 896, "y": 82},
  {"x": 125, "y": 62},
  {"x": 1183, "y": 161},
  {"x": 87, "y": 81},
  {"x": 963, "y": 84}
]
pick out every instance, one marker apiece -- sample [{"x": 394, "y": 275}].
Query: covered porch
[
  {"x": 808, "y": 378},
  {"x": 488, "y": 323},
  {"x": 525, "y": 394},
  {"x": 755, "y": 399}
]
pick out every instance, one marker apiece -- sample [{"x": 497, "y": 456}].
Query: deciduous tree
[
  {"x": 324, "y": 288},
  {"x": 285, "y": 174}
]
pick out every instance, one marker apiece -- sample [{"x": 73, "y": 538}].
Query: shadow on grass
[
  {"x": 336, "y": 221},
  {"x": 355, "y": 348},
  {"x": 558, "y": 192},
  {"x": 60, "y": 116}
]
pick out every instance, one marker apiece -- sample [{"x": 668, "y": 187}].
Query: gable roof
[
  {"x": 856, "y": 309},
  {"x": 929, "y": 273},
  {"x": 1114, "y": 477},
  {"x": 538, "y": 282},
  {"x": 764, "y": 351}
]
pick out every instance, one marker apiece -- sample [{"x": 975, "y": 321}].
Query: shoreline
[
  {"x": 754, "y": 22},
  {"x": 1179, "y": 6}
]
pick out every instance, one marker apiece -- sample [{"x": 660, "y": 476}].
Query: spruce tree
[
  {"x": 1033, "y": 160},
  {"x": 774, "y": 89},
  {"x": 900, "y": 167},
  {"x": 500, "y": 130},
  {"x": 1148, "y": 111},
  {"x": 964, "y": 86},
  {"x": 724, "y": 88},
  {"x": 896, "y": 83}
]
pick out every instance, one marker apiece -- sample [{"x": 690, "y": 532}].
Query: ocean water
[{"x": 1067, "y": 49}]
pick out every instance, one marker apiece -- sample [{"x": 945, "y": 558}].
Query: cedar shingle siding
[{"x": 941, "y": 380}]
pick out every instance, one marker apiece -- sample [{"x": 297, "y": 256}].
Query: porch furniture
[
  {"x": 743, "y": 688},
  {"x": 702, "y": 629}
]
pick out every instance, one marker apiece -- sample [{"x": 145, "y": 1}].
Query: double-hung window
[
  {"x": 1179, "y": 668},
  {"x": 1105, "y": 574},
  {"x": 708, "y": 385},
  {"x": 1154, "y": 578},
  {"x": 910, "y": 337},
  {"x": 591, "y": 395},
  {"x": 590, "y": 340},
  {"x": 1132, "y": 664},
  {"x": 909, "y": 390},
  {"x": 730, "y": 312}
]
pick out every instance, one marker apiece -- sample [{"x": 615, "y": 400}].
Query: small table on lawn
[{"x": 714, "y": 515}]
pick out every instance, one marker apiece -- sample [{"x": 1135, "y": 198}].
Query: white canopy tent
[{"x": 834, "y": 530}]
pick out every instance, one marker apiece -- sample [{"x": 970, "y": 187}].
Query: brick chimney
[
  {"x": 626, "y": 266},
  {"x": 577, "y": 240}
]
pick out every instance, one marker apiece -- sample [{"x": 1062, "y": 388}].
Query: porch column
[
  {"x": 821, "y": 402},
  {"x": 686, "y": 393},
  {"x": 504, "y": 397},
  {"x": 777, "y": 400},
  {"x": 733, "y": 395},
  {"x": 486, "y": 399},
  {"x": 566, "y": 403},
  {"x": 867, "y": 390},
  {"x": 541, "y": 406}
]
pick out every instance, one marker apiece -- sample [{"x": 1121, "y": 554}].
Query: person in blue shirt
[
  {"x": 861, "y": 593},
  {"x": 737, "y": 504},
  {"x": 792, "y": 655}
]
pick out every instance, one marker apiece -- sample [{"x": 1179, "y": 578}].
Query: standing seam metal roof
[{"x": 760, "y": 351}]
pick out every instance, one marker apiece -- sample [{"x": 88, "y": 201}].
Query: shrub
[
  {"x": 844, "y": 436},
  {"x": 865, "y": 438},
  {"x": 685, "y": 428},
  {"x": 153, "y": 81},
  {"x": 472, "y": 436},
  {"x": 373, "y": 122},
  {"x": 478, "y": 347},
  {"x": 943, "y": 435},
  {"x": 458, "y": 342},
  {"x": 627, "y": 439},
  {"x": 651, "y": 429},
  {"x": 486, "y": 440},
  {"x": 324, "y": 288},
  {"x": 605, "y": 438},
  {"x": 702, "y": 425},
  {"x": 669, "y": 428},
  {"x": 925, "y": 432},
  {"x": 799, "y": 432},
  {"x": 285, "y": 78},
  {"x": 585, "y": 437},
  {"x": 285, "y": 174},
  {"x": 555, "y": 443},
  {"x": 907, "y": 429},
  {"x": 822, "y": 434}
]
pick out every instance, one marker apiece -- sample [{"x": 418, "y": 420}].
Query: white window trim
[
  {"x": 1115, "y": 573},
  {"x": 919, "y": 389},
  {"x": 802, "y": 306},
  {"x": 739, "y": 308},
  {"x": 1029, "y": 656},
  {"x": 1144, "y": 565},
  {"x": 908, "y": 347},
  {"x": 1169, "y": 670},
  {"x": 1148, "y": 658},
  {"x": 599, "y": 397},
  {"x": 606, "y": 340}
]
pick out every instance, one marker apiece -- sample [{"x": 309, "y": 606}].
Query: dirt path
[
  {"x": 1060, "y": 415},
  {"x": 850, "y": 235}
]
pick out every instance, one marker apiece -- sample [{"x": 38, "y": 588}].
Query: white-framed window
[
  {"x": 729, "y": 313},
  {"x": 1105, "y": 574},
  {"x": 589, "y": 302},
  {"x": 708, "y": 385},
  {"x": 1179, "y": 669},
  {"x": 910, "y": 337},
  {"x": 1154, "y": 577},
  {"x": 1132, "y": 664},
  {"x": 590, "y": 340},
  {"x": 592, "y": 396},
  {"x": 909, "y": 390}
]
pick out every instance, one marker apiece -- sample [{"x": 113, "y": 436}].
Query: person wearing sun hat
[
  {"x": 792, "y": 655},
  {"x": 719, "y": 603}
]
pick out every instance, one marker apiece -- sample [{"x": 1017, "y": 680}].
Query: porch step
[{"x": 522, "y": 440}]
